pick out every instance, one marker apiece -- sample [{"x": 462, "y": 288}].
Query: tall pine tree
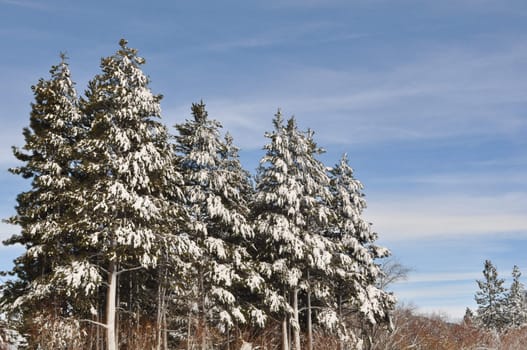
[
  {"x": 217, "y": 191},
  {"x": 127, "y": 182},
  {"x": 45, "y": 211},
  {"x": 289, "y": 208},
  {"x": 354, "y": 260}
]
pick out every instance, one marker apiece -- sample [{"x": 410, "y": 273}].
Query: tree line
[{"x": 136, "y": 238}]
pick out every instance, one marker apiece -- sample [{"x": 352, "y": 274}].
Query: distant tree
[
  {"x": 491, "y": 299},
  {"x": 516, "y": 303},
  {"x": 468, "y": 318}
]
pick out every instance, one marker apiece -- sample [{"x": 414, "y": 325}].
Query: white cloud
[{"x": 414, "y": 216}]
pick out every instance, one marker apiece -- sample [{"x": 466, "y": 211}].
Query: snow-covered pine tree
[
  {"x": 45, "y": 211},
  {"x": 490, "y": 299},
  {"x": 354, "y": 260},
  {"x": 516, "y": 303},
  {"x": 128, "y": 179},
  {"x": 289, "y": 210},
  {"x": 320, "y": 249},
  {"x": 217, "y": 191}
]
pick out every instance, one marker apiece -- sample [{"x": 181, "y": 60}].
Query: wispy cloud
[
  {"x": 442, "y": 277},
  {"x": 452, "y": 291},
  {"x": 469, "y": 6},
  {"x": 470, "y": 179},
  {"x": 413, "y": 216},
  {"x": 448, "y": 92},
  {"x": 295, "y": 34},
  {"x": 246, "y": 43},
  {"x": 35, "y": 5},
  {"x": 245, "y": 122}
]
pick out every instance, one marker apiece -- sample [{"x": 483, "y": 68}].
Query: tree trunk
[
  {"x": 158, "y": 319},
  {"x": 204, "y": 329},
  {"x": 189, "y": 325},
  {"x": 228, "y": 339},
  {"x": 296, "y": 330},
  {"x": 341, "y": 342},
  {"x": 289, "y": 332},
  {"x": 98, "y": 329},
  {"x": 309, "y": 322},
  {"x": 117, "y": 320},
  {"x": 165, "y": 333},
  {"x": 110, "y": 307},
  {"x": 285, "y": 340}
]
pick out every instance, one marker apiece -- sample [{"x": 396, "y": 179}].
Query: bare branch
[
  {"x": 94, "y": 322},
  {"x": 130, "y": 269},
  {"x": 393, "y": 271}
]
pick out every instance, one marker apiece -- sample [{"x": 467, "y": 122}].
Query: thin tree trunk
[
  {"x": 117, "y": 319},
  {"x": 228, "y": 339},
  {"x": 161, "y": 315},
  {"x": 341, "y": 342},
  {"x": 98, "y": 319},
  {"x": 98, "y": 330},
  {"x": 110, "y": 307},
  {"x": 204, "y": 328},
  {"x": 309, "y": 322},
  {"x": 158, "y": 318},
  {"x": 296, "y": 329},
  {"x": 189, "y": 325},
  {"x": 165, "y": 333}
]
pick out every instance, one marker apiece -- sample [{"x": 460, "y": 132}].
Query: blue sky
[{"x": 428, "y": 98}]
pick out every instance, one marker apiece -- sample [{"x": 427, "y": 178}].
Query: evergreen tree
[
  {"x": 354, "y": 259},
  {"x": 44, "y": 212},
  {"x": 516, "y": 303},
  {"x": 127, "y": 182},
  {"x": 468, "y": 318},
  {"x": 289, "y": 209},
  {"x": 490, "y": 299},
  {"x": 217, "y": 191}
]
